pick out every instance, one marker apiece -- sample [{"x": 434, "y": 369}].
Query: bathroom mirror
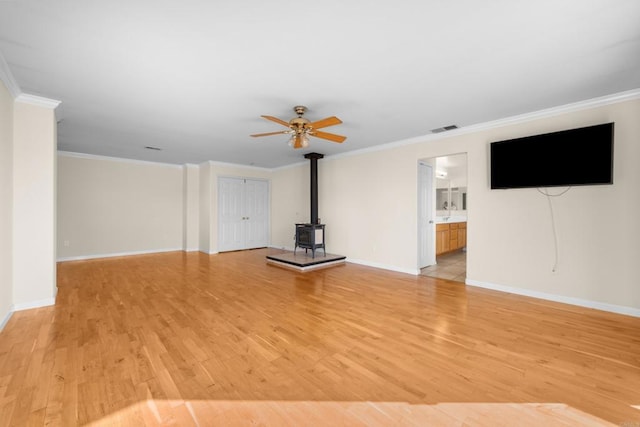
[{"x": 449, "y": 199}]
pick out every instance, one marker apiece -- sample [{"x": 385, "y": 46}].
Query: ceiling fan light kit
[{"x": 301, "y": 128}]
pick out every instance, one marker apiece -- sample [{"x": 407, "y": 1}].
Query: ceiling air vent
[{"x": 444, "y": 128}]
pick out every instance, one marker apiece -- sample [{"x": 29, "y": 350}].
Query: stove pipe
[{"x": 313, "y": 159}]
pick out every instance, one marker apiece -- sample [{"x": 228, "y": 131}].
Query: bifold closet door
[
  {"x": 243, "y": 214},
  {"x": 256, "y": 212}
]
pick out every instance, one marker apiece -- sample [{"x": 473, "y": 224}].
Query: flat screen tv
[{"x": 582, "y": 156}]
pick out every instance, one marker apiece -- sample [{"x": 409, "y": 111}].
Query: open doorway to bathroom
[{"x": 442, "y": 213}]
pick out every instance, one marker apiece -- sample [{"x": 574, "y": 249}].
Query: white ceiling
[{"x": 193, "y": 77}]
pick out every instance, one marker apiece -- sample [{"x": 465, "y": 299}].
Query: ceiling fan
[{"x": 301, "y": 129}]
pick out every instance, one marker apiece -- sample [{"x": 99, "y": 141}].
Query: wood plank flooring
[{"x": 192, "y": 339}]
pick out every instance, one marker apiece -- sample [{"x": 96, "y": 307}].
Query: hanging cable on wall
[{"x": 553, "y": 224}]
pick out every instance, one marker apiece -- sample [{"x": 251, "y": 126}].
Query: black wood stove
[{"x": 311, "y": 235}]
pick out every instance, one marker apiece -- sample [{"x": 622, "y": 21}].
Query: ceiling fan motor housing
[{"x": 299, "y": 124}]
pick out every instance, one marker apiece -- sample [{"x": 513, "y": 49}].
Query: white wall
[
  {"x": 596, "y": 225},
  {"x": 204, "y": 218},
  {"x": 191, "y": 208},
  {"x": 34, "y": 201},
  {"x": 455, "y": 167},
  {"x": 369, "y": 203},
  {"x": 291, "y": 203},
  {"x": 110, "y": 207},
  {"x": 28, "y": 143},
  {"x": 6, "y": 204}
]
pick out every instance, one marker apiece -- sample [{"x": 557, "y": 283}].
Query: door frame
[{"x": 432, "y": 161}]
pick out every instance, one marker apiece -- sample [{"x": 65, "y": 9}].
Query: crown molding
[
  {"x": 294, "y": 165},
  {"x": 115, "y": 159},
  {"x": 7, "y": 78},
  {"x": 38, "y": 101},
  {"x": 615, "y": 98},
  {"x": 236, "y": 165}
]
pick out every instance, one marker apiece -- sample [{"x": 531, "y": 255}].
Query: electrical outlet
[{"x": 66, "y": 243}]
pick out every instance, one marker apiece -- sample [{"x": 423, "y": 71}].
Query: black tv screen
[{"x": 582, "y": 156}]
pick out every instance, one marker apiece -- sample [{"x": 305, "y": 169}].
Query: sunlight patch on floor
[{"x": 295, "y": 413}]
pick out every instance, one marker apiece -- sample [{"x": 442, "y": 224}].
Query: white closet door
[
  {"x": 230, "y": 217},
  {"x": 256, "y": 196},
  {"x": 243, "y": 214}
]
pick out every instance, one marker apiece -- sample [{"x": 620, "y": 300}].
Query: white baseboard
[
  {"x": 619, "y": 309},
  {"x": 284, "y": 248},
  {"x": 34, "y": 304},
  {"x": 111, "y": 255},
  {"x": 413, "y": 272},
  {"x": 208, "y": 252},
  {"x": 6, "y": 319},
  {"x": 27, "y": 306}
]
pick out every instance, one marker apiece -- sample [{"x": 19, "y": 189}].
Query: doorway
[{"x": 442, "y": 216}]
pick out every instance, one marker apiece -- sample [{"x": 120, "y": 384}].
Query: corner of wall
[
  {"x": 33, "y": 202},
  {"x": 5, "y": 318},
  {"x": 191, "y": 208},
  {"x": 6, "y": 195}
]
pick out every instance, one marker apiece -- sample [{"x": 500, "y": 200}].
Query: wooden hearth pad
[{"x": 301, "y": 261}]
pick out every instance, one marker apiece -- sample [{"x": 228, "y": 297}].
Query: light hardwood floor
[{"x": 192, "y": 339}]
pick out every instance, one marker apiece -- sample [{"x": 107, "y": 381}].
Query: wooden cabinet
[
  {"x": 450, "y": 237},
  {"x": 453, "y": 236},
  {"x": 462, "y": 235},
  {"x": 442, "y": 238}
]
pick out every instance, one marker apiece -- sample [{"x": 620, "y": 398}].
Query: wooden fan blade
[
  {"x": 329, "y": 121},
  {"x": 330, "y": 136},
  {"x": 270, "y": 133},
  {"x": 277, "y": 120},
  {"x": 298, "y": 142}
]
